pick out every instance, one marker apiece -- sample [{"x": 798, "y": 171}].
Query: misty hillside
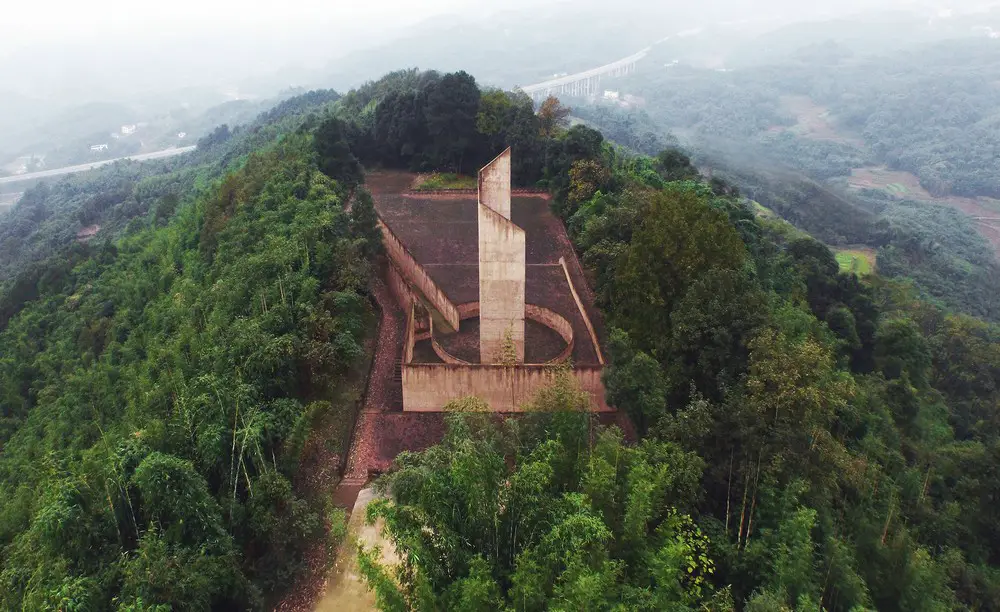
[{"x": 781, "y": 232}]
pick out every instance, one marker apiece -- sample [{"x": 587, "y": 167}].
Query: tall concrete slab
[
  {"x": 501, "y": 266},
  {"x": 494, "y": 185},
  {"x": 501, "y": 286}
]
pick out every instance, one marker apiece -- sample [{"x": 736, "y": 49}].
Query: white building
[
  {"x": 99, "y": 147},
  {"x": 611, "y": 95},
  {"x": 128, "y": 129}
]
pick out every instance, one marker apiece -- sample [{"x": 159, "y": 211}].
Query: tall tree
[
  {"x": 451, "y": 112},
  {"x": 335, "y": 157},
  {"x": 679, "y": 239},
  {"x": 553, "y": 117}
]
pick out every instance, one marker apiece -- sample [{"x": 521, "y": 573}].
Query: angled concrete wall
[
  {"x": 583, "y": 311},
  {"x": 501, "y": 265},
  {"x": 415, "y": 276},
  {"x": 494, "y": 185},
  {"x": 397, "y": 285},
  {"x": 501, "y": 285},
  {"x": 411, "y": 330}
]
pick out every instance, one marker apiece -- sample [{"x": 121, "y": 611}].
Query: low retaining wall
[
  {"x": 583, "y": 311},
  {"x": 429, "y": 387},
  {"x": 539, "y": 314},
  {"x": 556, "y": 323},
  {"x": 410, "y": 340},
  {"x": 415, "y": 275},
  {"x": 442, "y": 354},
  {"x": 398, "y": 287}
]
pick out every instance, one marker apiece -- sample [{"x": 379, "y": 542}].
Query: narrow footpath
[{"x": 384, "y": 395}]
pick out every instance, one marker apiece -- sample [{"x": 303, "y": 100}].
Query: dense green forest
[
  {"x": 930, "y": 110},
  {"x": 807, "y": 439},
  {"x": 160, "y": 381},
  {"x": 788, "y": 132},
  {"x": 158, "y": 388}
]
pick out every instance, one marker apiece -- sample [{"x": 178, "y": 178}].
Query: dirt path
[
  {"x": 320, "y": 471},
  {"x": 342, "y": 589},
  {"x": 347, "y": 591},
  {"x": 385, "y": 389}
]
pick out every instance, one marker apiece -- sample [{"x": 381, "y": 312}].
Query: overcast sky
[
  {"x": 76, "y": 50},
  {"x": 25, "y": 22},
  {"x": 32, "y": 21}
]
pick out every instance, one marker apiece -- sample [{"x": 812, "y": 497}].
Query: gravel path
[{"x": 385, "y": 389}]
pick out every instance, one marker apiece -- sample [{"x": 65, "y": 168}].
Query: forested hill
[
  {"x": 159, "y": 386},
  {"x": 806, "y": 438},
  {"x": 893, "y": 153}
]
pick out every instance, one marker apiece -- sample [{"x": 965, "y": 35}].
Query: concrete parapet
[
  {"x": 429, "y": 387},
  {"x": 583, "y": 311}
]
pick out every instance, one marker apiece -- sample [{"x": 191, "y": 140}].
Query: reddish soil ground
[
  {"x": 985, "y": 212},
  {"x": 813, "y": 121},
  {"x": 383, "y": 430},
  {"x": 87, "y": 233}
]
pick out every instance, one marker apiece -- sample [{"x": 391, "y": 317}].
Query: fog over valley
[{"x": 526, "y": 305}]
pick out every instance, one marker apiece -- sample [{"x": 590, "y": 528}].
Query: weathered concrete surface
[
  {"x": 494, "y": 185},
  {"x": 429, "y": 387},
  {"x": 397, "y": 285},
  {"x": 501, "y": 285},
  {"x": 502, "y": 259},
  {"x": 440, "y": 235}
]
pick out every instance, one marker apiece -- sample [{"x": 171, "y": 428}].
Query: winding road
[{"x": 18, "y": 178}]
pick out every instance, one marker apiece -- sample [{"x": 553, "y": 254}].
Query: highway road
[
  {"x": 17, "y": 178},
  {"x": 586, "y": 74}
]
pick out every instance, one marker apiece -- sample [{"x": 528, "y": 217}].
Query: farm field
[
  {"x": 896, "y": 182},
  {"x": 984, "y": 211},
  {"x": 860, "y": 261}
]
